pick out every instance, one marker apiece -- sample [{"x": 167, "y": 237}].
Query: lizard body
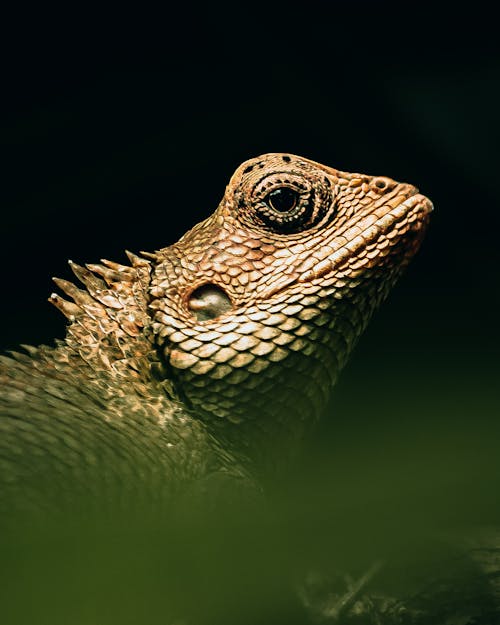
[
  {"x": 210, "y": 359},
  {"x": 216, "y": 353}
]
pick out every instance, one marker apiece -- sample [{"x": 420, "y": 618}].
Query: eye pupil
[{"x": 282, "y": 200}]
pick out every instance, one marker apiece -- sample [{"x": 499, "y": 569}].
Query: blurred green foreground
[{"x": 405, "y": 485}]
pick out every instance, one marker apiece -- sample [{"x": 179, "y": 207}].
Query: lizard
[
  {"x": 212, "y": 356},
  {"x": 233, "y": 337}
]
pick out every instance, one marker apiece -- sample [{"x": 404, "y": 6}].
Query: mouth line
[{"x": 416, "y": 203}]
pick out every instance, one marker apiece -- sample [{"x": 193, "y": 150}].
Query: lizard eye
[
  {"x": 285, "y": 206},
  {"x": 285, "y": 201},
  {"x": 282, "y": 199}
]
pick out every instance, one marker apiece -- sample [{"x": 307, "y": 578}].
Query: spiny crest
[{"x": 110, "y": 311}]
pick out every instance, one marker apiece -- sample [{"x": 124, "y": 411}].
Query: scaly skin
[{"x": 216, "y": 353}]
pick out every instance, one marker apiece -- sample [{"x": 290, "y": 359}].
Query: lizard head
[
  {"x": 256, "y": 309},
  {"x": 253, "y": 312}
]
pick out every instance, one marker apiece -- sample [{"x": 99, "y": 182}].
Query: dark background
[{"x": 122, "y": 130}]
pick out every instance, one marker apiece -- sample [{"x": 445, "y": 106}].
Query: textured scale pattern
[{"x": 226, "y": 344}]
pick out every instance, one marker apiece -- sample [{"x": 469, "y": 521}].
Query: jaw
[{"x": 395, "y": 228}]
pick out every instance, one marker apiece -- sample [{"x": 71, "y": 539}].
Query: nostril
[
  {"x": 208, "y": 302},
  {"x": 381, "y": 183}
]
